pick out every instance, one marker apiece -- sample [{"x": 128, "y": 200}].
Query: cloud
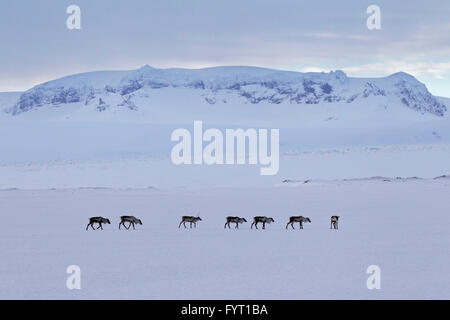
[
  {"x": 315, "y": 69},
  {"x": 438, "y": 70},
  {"x": 286, "y": 34}
]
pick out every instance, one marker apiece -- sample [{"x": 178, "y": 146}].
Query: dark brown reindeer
[
  {"x": 236, "y": 220},
  {"x": 99, "y": 220},
  {"x": 298, "y": 219},
  {"x": 131, "y": 219},
  {"x": 334, "y": 222},
  {"x": 191, "y": 220},
  {"x": 261, "y": 219}
]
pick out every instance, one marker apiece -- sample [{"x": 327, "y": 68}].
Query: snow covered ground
[
  {"x": 144, "y": 171},
  {"x": 401, "y": 226},
  {"x": 36, "y": 154}
]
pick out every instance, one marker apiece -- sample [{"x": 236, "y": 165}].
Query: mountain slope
[{"x": 120, "y": 90}]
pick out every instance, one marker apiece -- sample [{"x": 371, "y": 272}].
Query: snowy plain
[{"x": 400, "y": 226}]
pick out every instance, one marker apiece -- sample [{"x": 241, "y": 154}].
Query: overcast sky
[{"x": 296, "y": 35}]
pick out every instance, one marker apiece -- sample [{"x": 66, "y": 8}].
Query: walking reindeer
[
  {"x": 191, "y": 220},
  {"x": 298, "y": 219},
  {"x": 261, "y": 219},
  {"x": 236, "y": 220},
  {"x": 99, "y": 220},
  {"x": 131, "y": 219},
  {"x": 334, "y": 222}
]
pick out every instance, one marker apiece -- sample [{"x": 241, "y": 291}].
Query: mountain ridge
[{"x": 103, "y": 90}]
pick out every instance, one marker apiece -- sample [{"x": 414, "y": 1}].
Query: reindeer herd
[{"x": 132, "y": 221}]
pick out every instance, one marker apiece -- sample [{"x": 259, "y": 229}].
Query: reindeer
[
  {"x": 236, "y": 220},
  {"x": 98, "y": 220},
  {"x": 334, "y": 222},
  {"x": 263, "y": 220},
  {"x": 298, "y": 219},
  {"x": 131, "y": 219},
  {"x": 191, "y": 220}
]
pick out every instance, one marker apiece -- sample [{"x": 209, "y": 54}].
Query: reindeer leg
[
  {"x": 88, "y": 226},
  {"x": 264, "y": 225},
  {"x": 92, "y": 226},
  {"x": 237, "y": 225},
  {"x": 180, "y": 224}
]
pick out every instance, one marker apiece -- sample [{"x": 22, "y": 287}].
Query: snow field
[{"x": 401, "y": 227}]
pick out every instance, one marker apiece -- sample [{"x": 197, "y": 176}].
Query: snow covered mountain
[
  {"x": 113, "y": 128},
  {"x": 135, "y": 90}
]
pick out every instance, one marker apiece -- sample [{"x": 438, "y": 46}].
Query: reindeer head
[
  {"x": 106, "y": 221},
  {"x": 270, "y": 219},
  {"x": 198, "y": 218},
  {"x": 139, "y": 221},
  {"x": 308, "y": 219},
  {"x": 243, "y": 219}
]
